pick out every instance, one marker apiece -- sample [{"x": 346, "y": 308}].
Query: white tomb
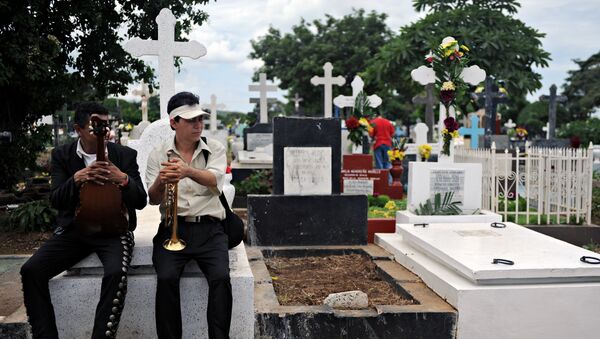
[
  {"x": 425, "y": 179},
  {"x": 547, "y": 292}
]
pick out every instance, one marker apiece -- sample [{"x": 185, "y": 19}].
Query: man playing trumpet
[{"x": 198, "y": 213}]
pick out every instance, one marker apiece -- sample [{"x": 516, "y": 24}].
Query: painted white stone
[
  {"x": 75, "y": 297},
  {"x": 421, "y": 130},
  {"x": 408, "y": 217},
  {"x": 510, "y": 124},
  {"x": 262, "y": 88},
  {"x": 307, "y": 170},
  {"x": 548, "y": 310},
  {"x": 473, "y": 75},
  {"x": 327, "y": 81},
  {"x": 427, "y": 178},
  {"x": 166, "y": 48},
  {"x": 423, "y": 75},
  {"x": 470, "y": 249},
  {"x": 251, "y": 157},
  {"x": 347, "y": 300},
  {"x": 213, "y": 107},
  {"x": 138, "y": 130},
  {"x": 357, "y": 84}
]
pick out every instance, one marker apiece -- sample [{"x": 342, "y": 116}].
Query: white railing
[{"x": 553, "y": 186}]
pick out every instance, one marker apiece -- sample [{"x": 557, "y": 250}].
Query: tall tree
[
  {"x": 583, "y": 88},
  {"x": 501, "y": 44},
  {"x": 54, "y": 52},
  {"x": 348, "y": 43}
]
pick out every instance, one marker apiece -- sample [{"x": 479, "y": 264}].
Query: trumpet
[{"x": 173, "y": 243}]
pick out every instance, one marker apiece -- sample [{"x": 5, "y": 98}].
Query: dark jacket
[{"x": 65, "y": 194}]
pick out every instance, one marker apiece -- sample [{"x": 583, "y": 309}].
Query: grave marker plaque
[
  {"x": 447, "y": 180},
  {"x": 255, "y": 140},
  {"x": 307, "y": 170}
]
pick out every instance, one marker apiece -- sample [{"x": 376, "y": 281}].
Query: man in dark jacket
[{"x": 72, "y": 165}]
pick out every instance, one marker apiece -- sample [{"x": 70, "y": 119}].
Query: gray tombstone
[{"x": 552, "y": 100}]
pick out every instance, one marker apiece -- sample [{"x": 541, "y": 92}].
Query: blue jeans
[{"x": 381, "y": 157}]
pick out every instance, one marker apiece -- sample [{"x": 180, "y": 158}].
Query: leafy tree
[
  {"x": 500, "y": 44},
  {"x": 348, "y": 43},
  {"x": 586, "y": 130},
  {"x": 57, "y": 52},
  {"x": 583, "y": 88}
]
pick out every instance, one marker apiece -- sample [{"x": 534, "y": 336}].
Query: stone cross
[
  {"x": 297, "y": 99},
  {"x": 493, "y": 97},
  {"x": 429, "y": 100},
  {"x": 327, "y": 81},
  {"x": 166, "y": 48},
  {"x": 552, "y": 100},
  {"x": 421, "y": 133},
  {"x": 357, "y": 84},
  {"x": 510, "y": 124},
  {"x": 213, "y": 106},
  {"x": 546, "y": 129},
  {"x": 474, "y": 132},
  {"x": 145, "y": 94},
  {"x": 262, "y": 88}
]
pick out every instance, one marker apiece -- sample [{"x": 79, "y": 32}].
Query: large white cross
[
  {"x": 297, "y": 100},
  {"x": 143, "y": 92},
  {"x": 510, "y": 124},
  {"x": 546, "y": 129},
  {"x": 213, "y": 106},
  {"x": 166, "y": 48},
  {"x": 328, "y": 81},
  {"x": 426, "y": 75},
  {"x": 262, "y": 88},
  {"x": 357, "y": 84}
]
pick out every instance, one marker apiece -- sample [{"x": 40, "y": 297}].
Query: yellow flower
[
  {"x": 363, "y": 121},
  {"x": 479, "y": 89},
  {"x": 390, "y": 205},
  {"x": 503, "y": 90},
  {"x": 448, "y": 86},
  {"x": 464, "y": 48},
  {"x": 425, "y": 151},
  {"x": 450, "y": 43},
  {"x": 455, "y": 134}
]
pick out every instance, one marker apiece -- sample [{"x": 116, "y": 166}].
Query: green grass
[{"x": 382, "y": 212}]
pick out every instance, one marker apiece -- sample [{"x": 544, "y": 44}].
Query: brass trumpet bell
[{"x": 176, "y": 245}]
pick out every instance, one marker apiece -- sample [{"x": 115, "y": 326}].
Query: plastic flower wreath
[
  {"x": 424, "y": 151},
  {"x": 358, "y": 123},
  {"x": 397, "y": 151},
  {"x": 449, "y": 132},
  {"x": 448, "y": 61}
]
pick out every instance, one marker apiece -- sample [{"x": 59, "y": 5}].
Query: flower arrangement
[
  {"x": 126, "y": 127},
  {"x": 448, "y": 61},
  {"x": 449, "y": 132},
  {"x": 397, "y": 151},
  {"x": 357, "y": 123},
  {"x": 521, "y": 133},
  {"x": 424, "y": 152}
]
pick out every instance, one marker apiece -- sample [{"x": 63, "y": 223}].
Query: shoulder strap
[{"x": 222, "y": 196}]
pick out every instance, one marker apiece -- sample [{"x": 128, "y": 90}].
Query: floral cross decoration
[{"x": 358, "y": 123}]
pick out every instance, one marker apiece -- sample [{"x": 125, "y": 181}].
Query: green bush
[
  {"x": 388, "y": 210},
  {"x": 596, "y": 201},
  {"x": 260, "y": 182},
  {"x": 32, "y": 217},
  {"x": 378, "y": 200},
  {"x": 511, "y": 206},
  {"x": 439, "y": 206}
]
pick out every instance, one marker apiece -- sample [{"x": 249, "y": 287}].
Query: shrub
[
  {"x": 259, "y": 182},
  {"x": 378, "y": 200},
  {"x": 33, "y": 216}
]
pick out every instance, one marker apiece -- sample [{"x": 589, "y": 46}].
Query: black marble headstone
[
  {"x": 307, "y": 220},
  {"x": 258, "y": 128},
  {"x": 306, "y": 132}
]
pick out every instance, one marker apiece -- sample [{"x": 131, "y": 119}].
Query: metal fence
[{"x": 538, "y": 186}]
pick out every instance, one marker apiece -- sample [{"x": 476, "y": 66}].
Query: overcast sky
[{"x": 572, "y": 32}]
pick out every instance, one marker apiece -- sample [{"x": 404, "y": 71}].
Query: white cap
[{"x": 187, "y": 112}]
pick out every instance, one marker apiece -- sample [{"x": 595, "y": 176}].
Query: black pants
[
  {"x": 60, "y": 253},
  {"x": 207, "y": 245}
]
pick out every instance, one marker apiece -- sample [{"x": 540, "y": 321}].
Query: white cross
[
  {"x": 357, "y": 84},
  {"x": 510, "y": 124},
  {"x": 166, "y": 48},
  {"x": 426, "y": 75},
  {"x": 328, "y": 81},
  {"x": 262, "y": 88},
  {"x": 144, "y": 92},
  {"x": 421, "y": 130},
  {"x": 297, "y": 99},
  {"x": 547, "y": 130},
  {"x": 213, "y": 106}
]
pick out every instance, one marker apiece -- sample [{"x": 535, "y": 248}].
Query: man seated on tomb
[
  {"x": 74, "y": 165},
  {"x": 382, "y": 132},
  {"x": 196, "y": 167}
]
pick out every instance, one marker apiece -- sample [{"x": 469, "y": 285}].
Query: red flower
[
  {"x": 430, "y": 59},
  {"x": 352, "y": 123},
  {"x": 451, "y": 124},
  {"x": 447, "y": 96},
  {"x": 451, "y": 57}
]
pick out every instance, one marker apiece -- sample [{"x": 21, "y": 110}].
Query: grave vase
[{"x": 396, "y": 173}]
